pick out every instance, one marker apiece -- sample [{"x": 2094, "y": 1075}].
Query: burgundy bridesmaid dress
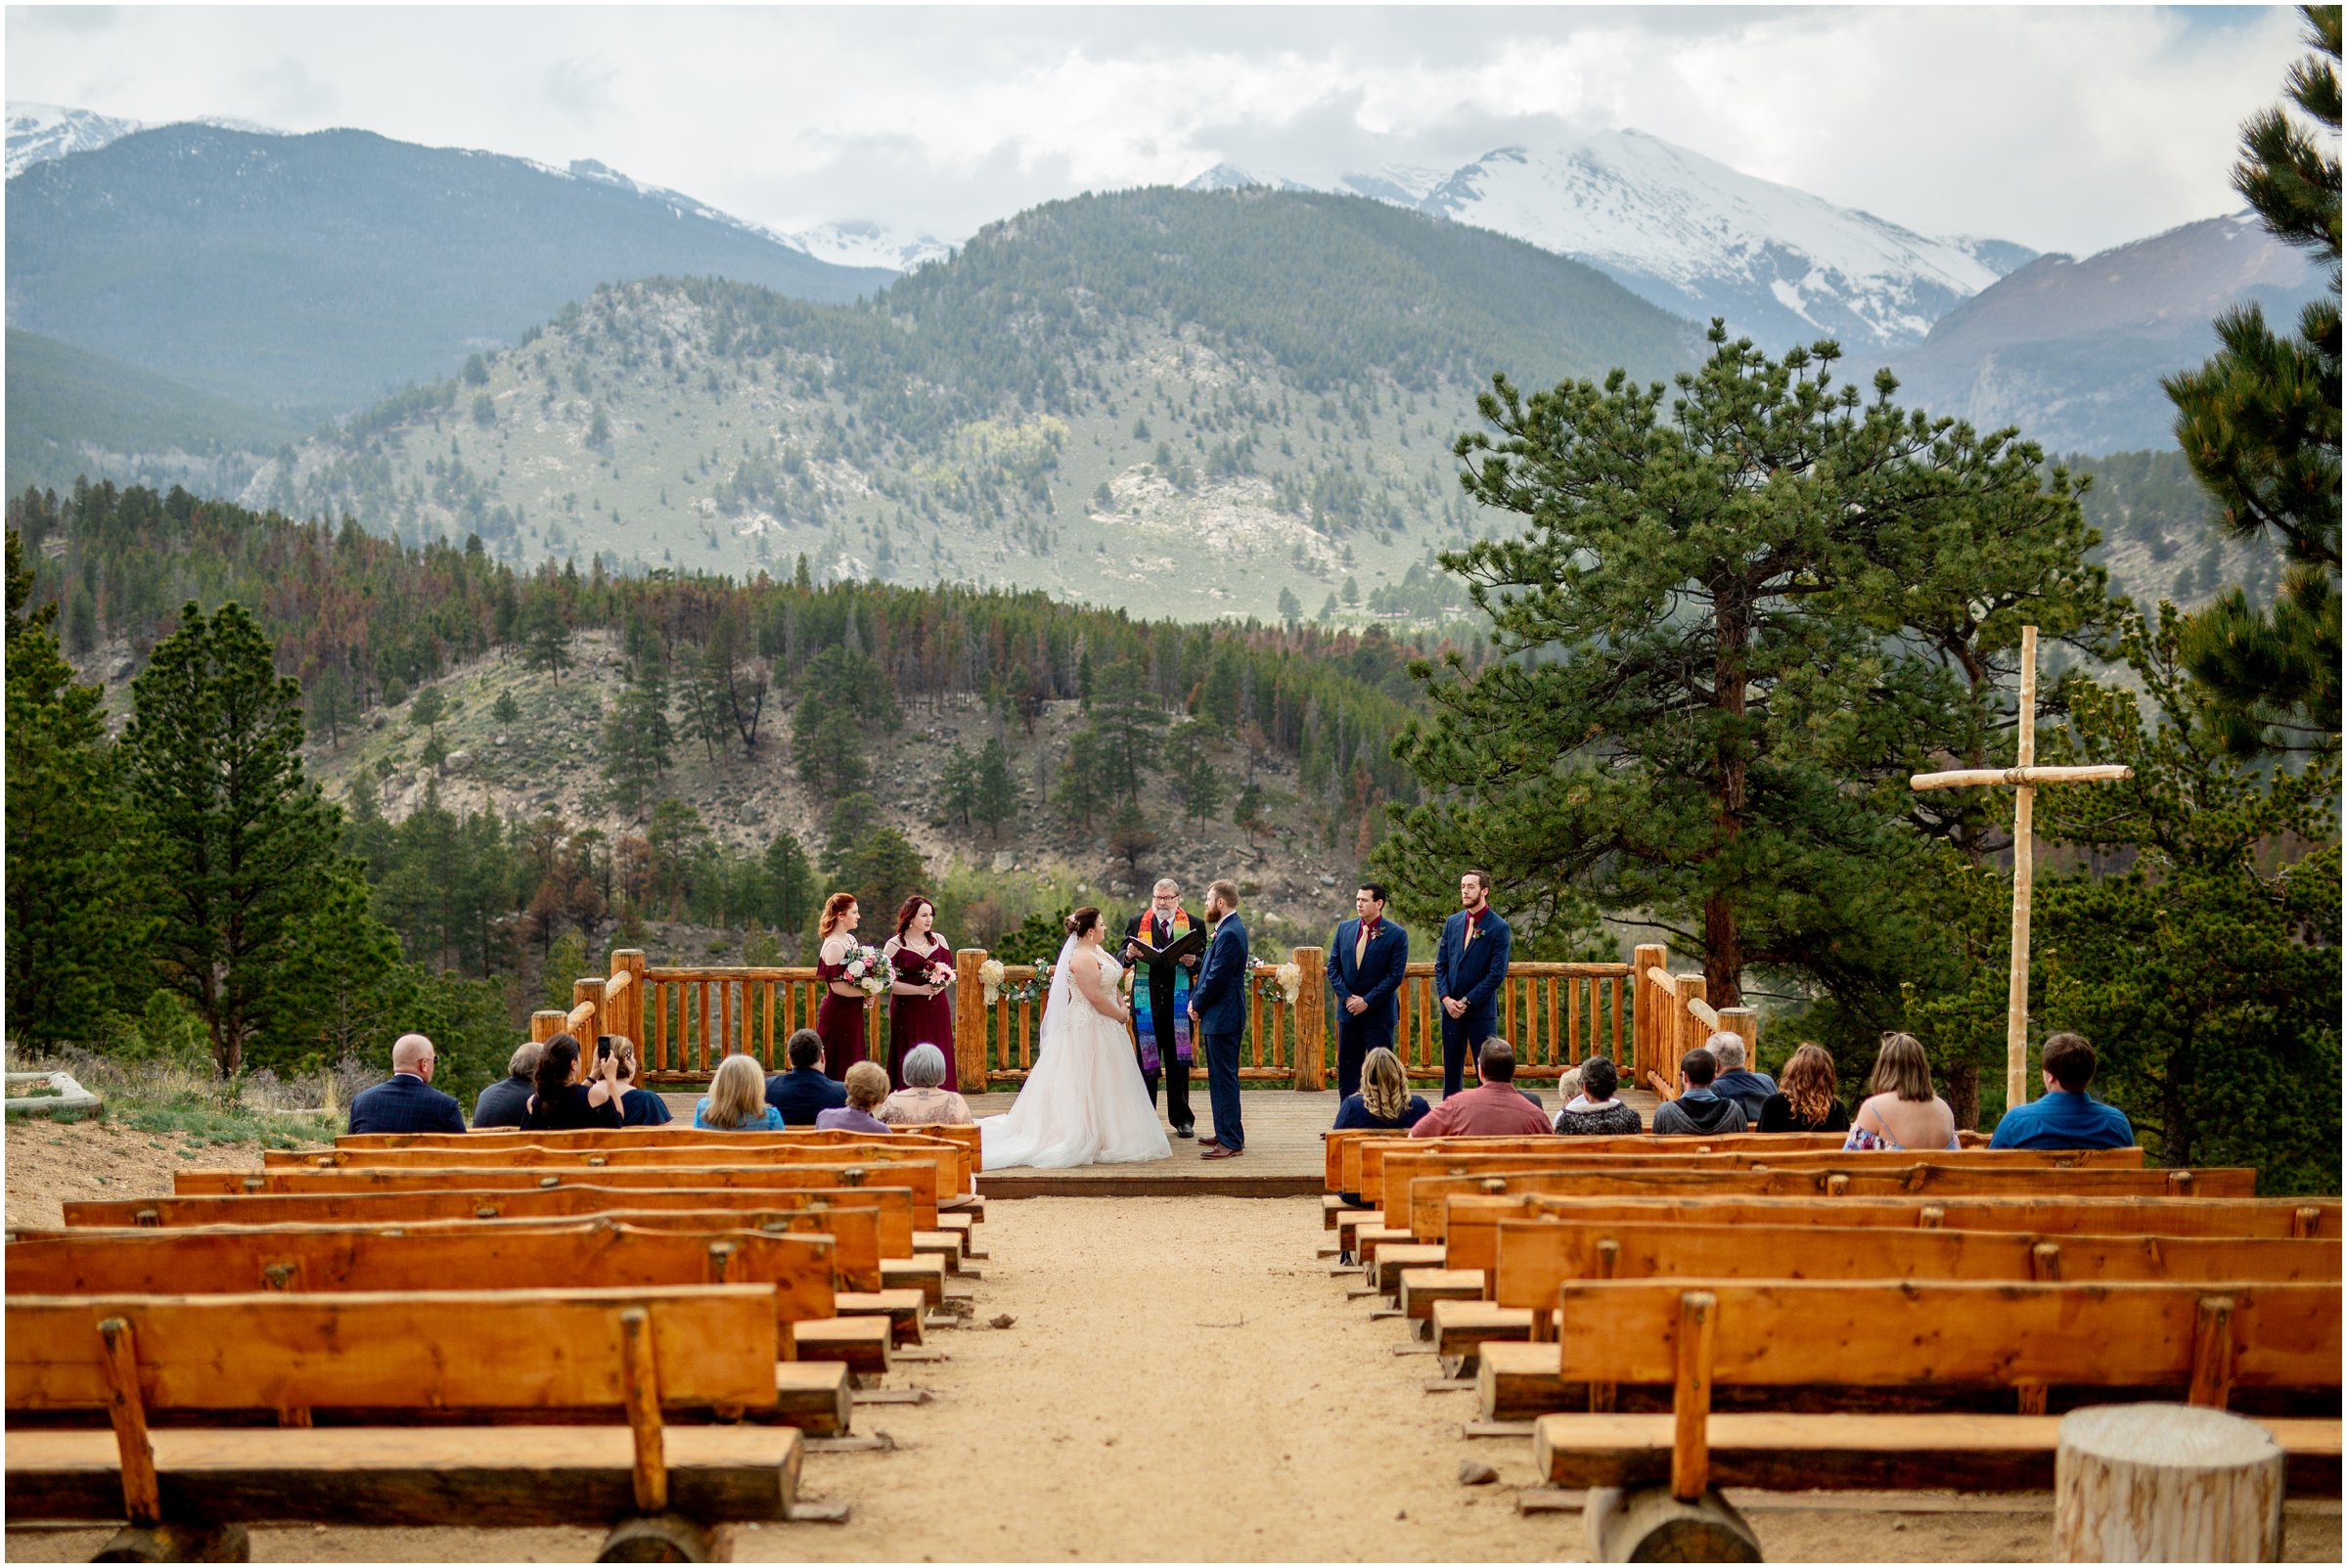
[
  {"x": 840, "y": 1020},
  {"x": 921, "y": 1020}
]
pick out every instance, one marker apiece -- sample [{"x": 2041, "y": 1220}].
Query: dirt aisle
[{"x": 1184, "y": 1380}]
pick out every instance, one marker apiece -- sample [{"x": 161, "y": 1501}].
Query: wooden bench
[
  {"x": 828, "y": 1334},
  {"x": 1776, "y": 1335},
  {"x": 1352, "y": 1158},
  {"x": 920, "y": 1180},
  {"x": 950, "y": 1162},
  {"x": 872, "y": 1228},
  {"x": 1537, "y": 1257},
  {"x": 624, "y": 1355},
  {"x": 1426, "y": 1208}
]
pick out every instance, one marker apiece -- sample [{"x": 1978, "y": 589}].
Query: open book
[{"x": 1181, "y": 947}]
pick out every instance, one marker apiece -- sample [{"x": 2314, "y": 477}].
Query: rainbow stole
[{"x": 1143, "y": 1024}]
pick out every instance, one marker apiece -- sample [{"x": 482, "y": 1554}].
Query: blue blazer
[
  {"x": 802, "y": 1093},
  {"x": 1219, "y": 993},
  {"x": 1473, "y": 973},
  {"x": 405, "y": 1103},
  {"x": 1377, "y": 981}
]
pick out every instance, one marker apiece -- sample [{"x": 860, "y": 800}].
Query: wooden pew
[
  {"x": 1355, "y": 1158},
  {"x": 881, "y": 1217},
  {"x": 1424, "y": 1207},
  {"x": 1778, "y": 1335},
  {"x": 627, "y": 1355},
  {"x": 920, "y": 1179},
  {"x": 964, "y": 1133},
  {"x": 952, "y": 1164},
  {"x": 818, "y": 1347},
  {"x": 1537, "y": 1257}
]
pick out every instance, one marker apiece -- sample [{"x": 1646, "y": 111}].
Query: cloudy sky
[{"x": 2068, "y": 129}]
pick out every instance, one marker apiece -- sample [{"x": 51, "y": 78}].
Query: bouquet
[
  {"x": 1000, "y": 987},
  {"x": 990, "y": 975},
  {"x": 940, "y": 975},
  {"x": 1278, "y": 983},
  {"x": 867, "y": 971}
]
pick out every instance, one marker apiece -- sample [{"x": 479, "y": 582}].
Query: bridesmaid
[
  {"x": 840, "y": 1020},
  {"x": 919, "y": 1012}
]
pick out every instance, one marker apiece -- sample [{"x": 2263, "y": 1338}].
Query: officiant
[{"x": 1161, "y": 1001}]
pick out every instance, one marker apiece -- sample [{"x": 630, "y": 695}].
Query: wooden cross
[{"x": 2025, "y": 778}]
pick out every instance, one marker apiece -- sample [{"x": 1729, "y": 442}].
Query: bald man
[{"x": 406, "y": 1102}]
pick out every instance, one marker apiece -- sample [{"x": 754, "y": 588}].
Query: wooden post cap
[{"x": 2166, "y": 1483}]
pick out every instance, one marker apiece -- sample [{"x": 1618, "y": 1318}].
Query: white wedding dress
[{"x": 1084, "y": 1103}]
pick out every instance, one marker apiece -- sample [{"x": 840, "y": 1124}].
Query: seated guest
[
  {"x": 1749, "y": 1090},
  {"x": 924, "y": 1097},
  {"x": 1494, "y": 1105},
  {"x": 1595, "y": 1112},
  {"x": 806, "y": 1090},
  {"x": 1809, "y": 1100},
  {"x": 2068, "y": 1117},
  {"x": 1699, "y": 1108},
  {"x": 406, "y": 1102},
  {"x": 1384, "y": 1100},
  {"x": 638, "y": 1107},
  {"x": 506, "y": 1102},
  {"x": 1901, "y": 1111},
  {"x": 866, "y": 1085},
  {"x": 563, "y": 1103},
  {"x": 737, "y": 1100}
]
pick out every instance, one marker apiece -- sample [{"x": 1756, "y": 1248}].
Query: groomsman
[
  {"x": 1470, "y": 963},
  {"x": 1366, "y": 961}
]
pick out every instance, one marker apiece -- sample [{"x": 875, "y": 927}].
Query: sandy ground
[
  {"x": 1184, "y": 1380},
  {"x": 46, "y": 1165}
]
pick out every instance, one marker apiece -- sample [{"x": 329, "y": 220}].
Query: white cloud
[{"x": 2063, "y": 128}]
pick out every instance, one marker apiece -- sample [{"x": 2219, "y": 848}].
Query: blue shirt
[
  {"x": 2067, "y": 1118},
  {"x": 771, "y": 1122},
  {"x": 641, "y": 1107},
  {"x": 1354, "y": 1113}
]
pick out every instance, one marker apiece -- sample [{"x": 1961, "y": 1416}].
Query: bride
[{"x": 1083, "y": 1104}]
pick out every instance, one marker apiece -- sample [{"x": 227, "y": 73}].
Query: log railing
[
  {"x": 1674, "y": 1017},
  {"x": 685, "y": 1019}
]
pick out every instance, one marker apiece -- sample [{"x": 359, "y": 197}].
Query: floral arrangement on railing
[
  {"x": 867, "y": 971},
  {"x": 1000, "y": 987},
  {"x": 1279, "y": 982}
]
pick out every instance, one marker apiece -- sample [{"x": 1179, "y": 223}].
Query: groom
[{"x": 1218, "y": 1012}]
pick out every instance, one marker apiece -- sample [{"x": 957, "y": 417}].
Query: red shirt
[{"x": 1483, "y": 1111}]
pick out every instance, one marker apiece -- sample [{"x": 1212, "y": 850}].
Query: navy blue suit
[
  {"x": 1218, "y": 996},
  {"x": 804, "y": 1093},
  {"x": 405, "y": 1103},
  {"x": 1472, "y": 971},
  {"x": 1377, "y": 981}
]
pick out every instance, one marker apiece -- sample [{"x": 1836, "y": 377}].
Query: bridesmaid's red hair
[{"x": 835, "y": 909}]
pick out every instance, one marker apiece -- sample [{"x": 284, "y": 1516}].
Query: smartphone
[{"x": 603, "y": 1047}]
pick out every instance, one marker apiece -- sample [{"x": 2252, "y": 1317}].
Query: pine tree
[
  {"x": 958, "y": 783},
  {"x": 706, "y": 719},
  {"x": 1083, "y": 782},
  {"x": 2260, "y": 425},
  {"x": 637, "y": 737},
  {"x": 1196, "y": 782},
  {"x": 246, "y": 849},
  {"x": 428, "y": 709},
  {"x": 77, "y": 921},
  {"x": 331, "y": 710},
  {"x": 997, "y": 791},
  {"x": 1125, "y": 719},
  {"x": 1246, "y": 813},
  {"x": 790, "y": 884},
  {"x": 546, "y": 636},
  {"x": 505, "y": 710},
  {"x": 1292, "y": 608},
  {"x": 1719, "y": 659},
  {"x": 1131, "y": 839}
]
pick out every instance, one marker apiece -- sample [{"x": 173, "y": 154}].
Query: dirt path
[{"x": 1184, "y": 1380}]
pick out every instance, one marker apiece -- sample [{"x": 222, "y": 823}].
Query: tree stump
[{"x": 2166, "y": 1483}]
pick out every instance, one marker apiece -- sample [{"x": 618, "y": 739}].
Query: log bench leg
[
  {"x": 178, "y": 1542},
  {"x": 1647, "y": 1524},
  {"x": 664, "y": 1538}
]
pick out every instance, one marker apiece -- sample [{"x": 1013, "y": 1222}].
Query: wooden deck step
[
  {"x": 1516, "y": 1382},
  {"x": 1422, "y": 1288},
  {"x": 861, "y": 1342},
  {"x": 812, "y": 1396},
  {"x": 926, "y": 1275},
  {"x": 1966, "y": 1453},
  {"x": 1385, "y": 1270},
  {"x": 415, "y": 1476},
  {"x": 1462, "y": 1325},
  {"x": 904, "y": 1310}
]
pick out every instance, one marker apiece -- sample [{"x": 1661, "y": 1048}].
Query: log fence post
[
  {"x": 629, "y": 960},
  {"x": 1645, "y": 1011},
  {"x": 970, "y": 1020},
  {"x": 1744, "y": 1023},
  {"x": 588, "y": 992},
  {"x": 546, "y": 1023},
  {"x": 1312, "y": 1020},
  {"x": 1690, "y": 1033}
]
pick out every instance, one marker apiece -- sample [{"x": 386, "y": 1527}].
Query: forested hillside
[{"x": 1203, "y": 405}]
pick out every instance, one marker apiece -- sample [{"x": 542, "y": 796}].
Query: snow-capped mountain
[
  {"x": 1696, "y": 237},
  {"x": 861, "y": 243},
  {"x": 39, "y": 132}
]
